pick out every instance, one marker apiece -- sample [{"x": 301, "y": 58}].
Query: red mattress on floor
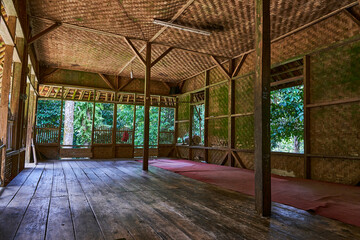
[{"x": 336, "y": 201}]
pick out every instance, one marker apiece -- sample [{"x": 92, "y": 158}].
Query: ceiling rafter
[
  {"x": 181, "y": 11},
  {"x": 133, "y": 48},
  {"x": 100, "y": 32},
  {"x": 333, "y": 13},
  {"x": 106, "y": 81},
  {"x": 43, "y": 33}
]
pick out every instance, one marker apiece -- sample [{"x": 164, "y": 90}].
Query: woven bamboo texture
[{"x": 231, "y": 25}]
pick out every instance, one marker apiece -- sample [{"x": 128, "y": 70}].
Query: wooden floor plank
[
  {"x": 130, "y": 220},
  {"x": 59, "y": 185},
  {"x": 60, "y": 225},
  {"x": 33, "y": 225},
  {"x": 85, "y": 223},
  {"x": 111, "y": 226},
  {"x": 115, "y": 199},
  {"x": 12, "y": 215},
  {"x": 8, "y": 192},
  {"x": 46, "y": 182}
]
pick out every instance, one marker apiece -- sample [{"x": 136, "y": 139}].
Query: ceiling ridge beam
[{"x": 44, "y": 32}]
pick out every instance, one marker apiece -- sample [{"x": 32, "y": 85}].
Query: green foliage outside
[
  {"x": 287, "y": 120},
  {"x": 199, "y": 121},
  {"x": 125, "y": 117},
  {"x": 83, "y": 112},
  {"x": 48, "y": 113}
]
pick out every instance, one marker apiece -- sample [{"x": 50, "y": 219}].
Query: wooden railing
[
  {"x": 124, "y": 136},
  {"x": 103, "y": 135},
  {"x": 47, "y": 134}
]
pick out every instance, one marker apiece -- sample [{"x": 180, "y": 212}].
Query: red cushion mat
[{"x": 331, "y": 200}]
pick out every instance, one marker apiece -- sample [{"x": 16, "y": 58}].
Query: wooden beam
[
  {"x": 206, "y": 115},
  {"x": 231, "y": 120},
  {"x": 137, "y": 53},
  {"x": 166, "y": 85},
  {"x": 147, "y": 107},
  {"x": 286, "y": 81},
  {"x": 5, "y": 91},
  {"x": 239, "y": 65},
  {"x": 43, "y": 33},
  {"x": 161, "y": 56},
  {"x": 285, "y": 35},
  {"x": 238, "y": 159},
  {"x": 224, "y": 159},
  {"x": 126, "y": 84},
  {"x": 221, "y": 67},
  {"x": 106, "y": 81},
  {"x": 307, "y": 151},
  {"x": 43, "y": 77},
  {"x": 350, "y": 12},
  {"x": 262, "y": 108}
]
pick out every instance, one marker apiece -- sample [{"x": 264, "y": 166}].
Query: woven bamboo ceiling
[{"x": 76, "y": 45}]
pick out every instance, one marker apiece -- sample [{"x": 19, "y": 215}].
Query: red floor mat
[{"x": 336, "y": 201}]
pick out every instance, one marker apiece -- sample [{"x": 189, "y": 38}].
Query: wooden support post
[
  {"x": 61, "y": 116},
  {"x": 307, "y": 151},
  {"x": 5, "y": 91},
  {"x": 191, "y": 110},
  {"x": 231, "y": 111},
  {"x": 262, "y": 108},
  {"x": 206, "y": 115},
  {"x": 147, "y": 106},
  {"x": 134, "y": 124},
  {"x": 114, "y": 131},
  {"x": 159, "y": 122},
  {"x": 29, "y": 126},
  {"x": 93, "y": 122}
]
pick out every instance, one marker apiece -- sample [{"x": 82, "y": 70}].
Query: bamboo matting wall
[
  {"x": 335, "y": 75},
  {"x": 335, "y": 129}
]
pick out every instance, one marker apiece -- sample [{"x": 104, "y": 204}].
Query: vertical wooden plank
[
  {"x": 134, "y": 123},
  {"x": 231, "y": 110},
  {"x": 147, "y": 106},
  {"x": 15, "y": 92},
  {"x": 262, "y": 108},
  {"x": 159, "y": 122},
  {"x": 114, "y": 131},
  {"x": 176, "y": 119},
  {"x": 191, "y": 110},
  {"x": 93, "y": 123},
  {"x": 206, "y": 113},
  {"x": 24, "y": 73},
  {"x": 5, "y": 90},
  {"x": 61, "y": 117},
  {"x": 307, "y": 151},
  {"x": 29, "y": 127}
]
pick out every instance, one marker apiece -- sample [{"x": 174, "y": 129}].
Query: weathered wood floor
[{"x": 116, "y": 200}]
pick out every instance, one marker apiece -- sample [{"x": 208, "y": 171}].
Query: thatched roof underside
[{"x": 231, "y": 24}]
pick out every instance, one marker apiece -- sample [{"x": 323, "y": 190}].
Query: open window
[
  {"x": 124, "y": 124},
  {"x": 287, "y": 108},
  {"x": 103, "y": 125},
  {"x": 198, "y": 118}
]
